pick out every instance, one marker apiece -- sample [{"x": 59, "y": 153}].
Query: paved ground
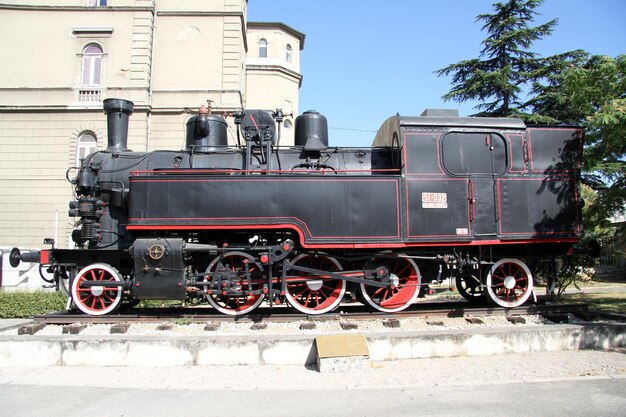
[
  {"x": 572, "y": 383},
  {"x": 595, "y": 397}
]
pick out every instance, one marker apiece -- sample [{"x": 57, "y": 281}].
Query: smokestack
[{"x": 117, "y": 111}]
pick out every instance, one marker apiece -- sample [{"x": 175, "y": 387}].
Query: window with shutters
[{"x": 92, "y": 66}]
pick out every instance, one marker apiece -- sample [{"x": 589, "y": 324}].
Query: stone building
[{"x": 59, "y": 60}]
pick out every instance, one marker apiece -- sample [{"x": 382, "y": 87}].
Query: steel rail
[{"x": 350, "y": 313}]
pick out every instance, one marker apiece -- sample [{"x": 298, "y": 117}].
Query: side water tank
[
  {"x": 311, "y": 131},
  {"x": 206, "y": 133}
]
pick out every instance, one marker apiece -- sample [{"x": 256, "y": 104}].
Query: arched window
[
  {"x": 262, "y": 48},
  {"x": 92, "y": 66},
  {"x": 288, "y": 53},
  {"x": 86, "y": 144}
]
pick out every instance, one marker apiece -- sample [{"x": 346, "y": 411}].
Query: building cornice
[
  {"x": 47, "y": 8},
  {"x": 276, "y": 69},
  {"x": 97, "y": 108},
  {"x": 277, "y": 25},
  {"x": 199, "y": 13}
]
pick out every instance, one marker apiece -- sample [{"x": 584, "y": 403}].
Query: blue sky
[{"x": 364, "y": 61}]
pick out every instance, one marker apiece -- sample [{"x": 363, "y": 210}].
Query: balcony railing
[{"x": 89, "y": 95}]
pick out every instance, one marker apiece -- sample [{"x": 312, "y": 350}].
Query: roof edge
[{"x": 264, "y": 25}]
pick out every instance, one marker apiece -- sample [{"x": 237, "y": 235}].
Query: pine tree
[{"x": 506, "y": 65}]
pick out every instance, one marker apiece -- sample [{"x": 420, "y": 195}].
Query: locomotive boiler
[{"x": 311, "y": 225}]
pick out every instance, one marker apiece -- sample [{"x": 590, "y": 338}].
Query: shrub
[{"x": 27, "y": 304}]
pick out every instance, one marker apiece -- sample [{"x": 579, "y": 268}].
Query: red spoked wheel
[
  {"x": 509, "y": 283},
  {"x": 315, "y": 294},
  {"x": 237, "y": 305},
  {"x": 399, "y": 297},
  {"x": 100, "y": 299}
]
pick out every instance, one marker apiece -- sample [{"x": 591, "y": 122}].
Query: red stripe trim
[
  {"x": 351, "y": 245},
  {"x": 242, "y": 226},
  {"x": 236, "y": 171},
  {"x": 263, "y": 179}
]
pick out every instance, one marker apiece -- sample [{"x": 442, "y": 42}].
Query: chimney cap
[{"x": 118, "y": 104}]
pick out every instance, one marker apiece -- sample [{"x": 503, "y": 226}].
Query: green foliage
[
  {"x": 27, "y": 304},
  {"x": 593, "y": 229},
  {"x": 560, "y": 273},
  {"x": 592, "y": 94},
  {"x": 507, "y": 63},
  {"x": 185, "y": 320},
  {"x": 158, "y": 303},
  {"x": 546, "y": 104}
]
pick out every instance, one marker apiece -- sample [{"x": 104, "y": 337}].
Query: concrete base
[
  {"x": 124, "y": 350},
  {"x": 341, "y": 353},
  {"x": 342, "y": 364}
]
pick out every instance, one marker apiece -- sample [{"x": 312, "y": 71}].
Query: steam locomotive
[{"x": 436, "y": 196}]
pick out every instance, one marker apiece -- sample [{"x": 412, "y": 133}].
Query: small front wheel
[
  {"x": 509, "y": 283},
  {"x": 97, "y": 300}
]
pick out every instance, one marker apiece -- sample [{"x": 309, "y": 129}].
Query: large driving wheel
[
  {"x": 509, "y": 283},
  {"x": 237, "y": 305},
  {"x": 399, "y": 297},
  {"x": 97, "y": 300},
  {"x": 315, "y": 294}
]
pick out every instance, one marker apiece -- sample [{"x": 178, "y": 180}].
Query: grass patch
[
  {"x": 599, "y": 281},
  {"x": 158, "y": 303},
  {"x": 15, "y": 305},
  {"x": 614, "y": 302},
  {"x": 185, "y": 320}
]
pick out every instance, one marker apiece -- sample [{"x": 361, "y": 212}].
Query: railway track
[{"x": 558, "y": 312}]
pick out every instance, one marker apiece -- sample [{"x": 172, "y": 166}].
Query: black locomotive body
[{"x": 436, "y": 196}]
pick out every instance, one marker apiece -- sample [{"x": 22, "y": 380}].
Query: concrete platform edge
[
  {"x": 8, "y": 324},
  {"x": 121, "y": 350}
]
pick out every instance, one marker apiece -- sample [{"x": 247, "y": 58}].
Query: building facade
[
  {"x": 60, "y": 59},
  {"x": 273, "y": 69}
]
